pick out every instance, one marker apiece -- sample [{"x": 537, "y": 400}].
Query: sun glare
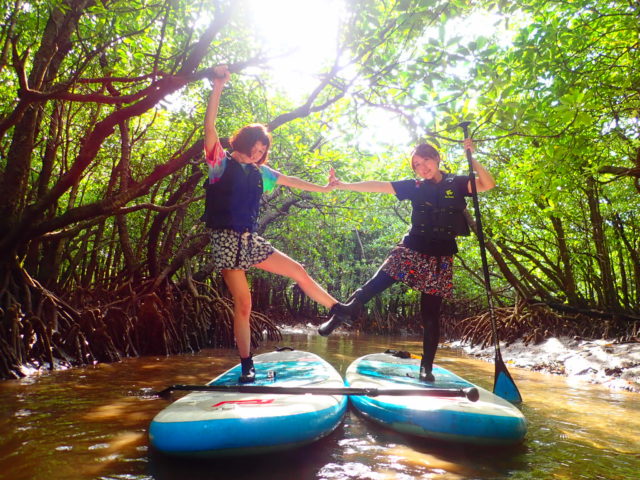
[
  {"x": 302, "y": 34},
  {"x": 300, "y": 37}
]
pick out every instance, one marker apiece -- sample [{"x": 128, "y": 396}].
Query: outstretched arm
[
  {"x": 220, "y": 77},
  {"x": 295, "y": 182},
  {"x": 371, "y": 186}
]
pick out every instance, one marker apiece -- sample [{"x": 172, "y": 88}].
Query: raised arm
[
  {"x": 484, "y": 180},
  {"x": 220, "y": 77}
]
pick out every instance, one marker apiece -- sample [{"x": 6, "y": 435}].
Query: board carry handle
[
  {"x": 503, "y": 384},
  {"x": 472, "y": 394}
]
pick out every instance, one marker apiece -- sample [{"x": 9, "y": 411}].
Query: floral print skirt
[
  {"x": 238, "y": 251},
  {"x": 425, "y": 273}
]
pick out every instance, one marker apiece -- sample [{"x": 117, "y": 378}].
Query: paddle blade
[{"x": 503, "y": 384}]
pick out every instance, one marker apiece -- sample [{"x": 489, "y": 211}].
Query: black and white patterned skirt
[{"x": 233, "y": 250}]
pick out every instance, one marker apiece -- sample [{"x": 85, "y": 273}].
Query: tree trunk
[
  {"x": 56, "y": 43},
  {"x": 497, "y": 257},
  {"x": 634, "y": 257},
  {"x": 610, "y": 299},
  {"x": 567, "y": 275}
]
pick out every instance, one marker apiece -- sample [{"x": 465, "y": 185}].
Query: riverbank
[
  {"x": 615, "y": 365},
  {"x": 604, "y": 362}
]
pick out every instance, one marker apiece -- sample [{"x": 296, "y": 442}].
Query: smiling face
[{"x": 427, "y": 168}]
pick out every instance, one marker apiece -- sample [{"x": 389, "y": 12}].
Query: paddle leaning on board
[
  {"x": 470, "y": 393},
  {"x": 296, "y": 389},
  {"x": 297, "y": 398}
]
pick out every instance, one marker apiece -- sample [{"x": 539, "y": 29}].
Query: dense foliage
[{"x": 101, "y": 250}]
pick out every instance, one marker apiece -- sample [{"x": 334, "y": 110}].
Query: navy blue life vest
[
  {"x": 438, "y": 210},
  {"x": 233, "y": 202}
]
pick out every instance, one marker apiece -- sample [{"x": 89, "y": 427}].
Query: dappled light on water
[
  {"x": 124, "y": 411},
  {"x": 92, "y": 423},
  {"x": 587, "y": 413}
]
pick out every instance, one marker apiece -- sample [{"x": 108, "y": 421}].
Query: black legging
[
  {"x": 429, "y": 310},
  {"x": 375, "y": 285}
]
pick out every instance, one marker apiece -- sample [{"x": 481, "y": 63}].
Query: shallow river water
[{"x": 91, "y": 423}]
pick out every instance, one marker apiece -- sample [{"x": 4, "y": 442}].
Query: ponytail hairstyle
[{"x": 245, "y": 138}]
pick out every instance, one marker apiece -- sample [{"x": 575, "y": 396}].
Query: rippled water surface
[{"x": 91, "y": 423}]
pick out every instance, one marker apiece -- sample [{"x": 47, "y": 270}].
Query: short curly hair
[{"x": 245, "y": 138}]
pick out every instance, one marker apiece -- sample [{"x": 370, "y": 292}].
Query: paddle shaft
[
  {"x": 480, "y": 234},
  {"x": 470, "y": 393},
  {"x": 499, "y": 363}
]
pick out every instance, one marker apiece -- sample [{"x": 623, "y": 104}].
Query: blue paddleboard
[
  {"x": 489, "y": 421},
  {"x": 203, "y": 424}
]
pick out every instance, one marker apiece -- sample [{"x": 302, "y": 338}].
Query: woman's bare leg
[
  {"x": 236, "y": 281},
  {"x": 282, "y": 264}
]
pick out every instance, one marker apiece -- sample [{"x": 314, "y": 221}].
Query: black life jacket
[
  {"x": 233, "y": 202},
  {"x": 438, "y": 210}
]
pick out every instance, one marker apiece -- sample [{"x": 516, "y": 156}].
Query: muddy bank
[{"x": 615, "y": 365}]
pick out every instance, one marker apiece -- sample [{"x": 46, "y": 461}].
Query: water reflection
[{"x": 92, "y": 423}]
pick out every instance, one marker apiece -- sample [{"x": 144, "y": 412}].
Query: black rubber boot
[
  {"x": 248, "y": 371},
  {"x": 339, "y": 314}
]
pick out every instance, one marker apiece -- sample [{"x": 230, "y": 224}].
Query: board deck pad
[
  {"x": 286, "y": 373},
  {"x": 408, "y": 374},
  {"x": 232, "y": 423},
  {"x": 489, "y": 421}
]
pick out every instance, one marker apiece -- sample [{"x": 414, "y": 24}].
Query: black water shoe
[
  {"x": 426, "y": 375},
  {"x": 248, "y": 371}
]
